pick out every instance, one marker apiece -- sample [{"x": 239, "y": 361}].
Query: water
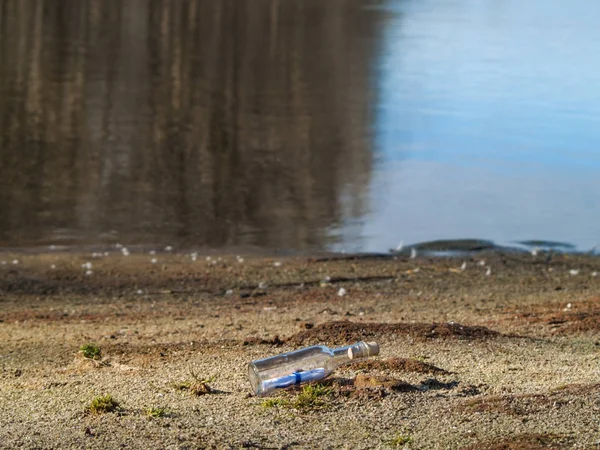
[{"x": 300, "y": 125}]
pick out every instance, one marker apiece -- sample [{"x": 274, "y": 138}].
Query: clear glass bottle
[{"x": 304, "y": 365}]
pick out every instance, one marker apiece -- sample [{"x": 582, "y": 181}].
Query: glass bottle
[{"x": 304, "y": 365}]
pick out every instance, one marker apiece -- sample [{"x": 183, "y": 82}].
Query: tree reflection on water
[{"x": 218, "y": 123}]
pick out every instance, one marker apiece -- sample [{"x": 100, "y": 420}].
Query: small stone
[{"x": 341, "y": 292}]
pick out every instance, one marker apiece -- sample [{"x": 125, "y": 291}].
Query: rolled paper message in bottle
[{"x": 304, "y": 365}]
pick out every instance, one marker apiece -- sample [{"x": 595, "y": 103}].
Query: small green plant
[
  {"x": 155, "y": 412},
  {"x": 400, "y": 440},
  {"x": 90, "y": 351},
  {"x": 274, "y": 402},
  {"x": 103, "y": 404},
  {"x": 312, "y": 396},
  {"x": 195, "y": 386}
]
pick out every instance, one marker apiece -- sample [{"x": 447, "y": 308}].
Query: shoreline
[{"x": 468, "y": 360}]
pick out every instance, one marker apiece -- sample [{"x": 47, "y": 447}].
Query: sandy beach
[{"x": 490, "y": 351}]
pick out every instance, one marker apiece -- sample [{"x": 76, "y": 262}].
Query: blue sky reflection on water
[{"x": 487, "y": 123}]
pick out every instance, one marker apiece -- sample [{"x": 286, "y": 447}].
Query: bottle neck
[
  {"x": 340, "y": 356},
  {"x": 350, "y": 353}
]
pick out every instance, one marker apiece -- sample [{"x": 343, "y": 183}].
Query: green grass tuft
[
  {"x": 195, "y": 386},
  {"x": 90, "y": 351},
  {"x": 312, "y": 397},
  {"x": 399, "y": 440},
  {"x": 274, "y": 402},
  {"x": 156, "y": 413},
  {"x": 103, "y": 404}
]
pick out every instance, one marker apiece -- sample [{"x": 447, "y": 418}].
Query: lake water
[{"x": 298, "y": 124}]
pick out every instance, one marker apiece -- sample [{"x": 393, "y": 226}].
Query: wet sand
[{"x": 509, "y": 360}]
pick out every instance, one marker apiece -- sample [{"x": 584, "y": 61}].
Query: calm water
[{"x": 298, "y": 124}]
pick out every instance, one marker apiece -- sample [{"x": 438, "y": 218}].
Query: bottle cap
[
  {"x": 363, "y": 350},
  {"x": 373, "y": 348}
]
